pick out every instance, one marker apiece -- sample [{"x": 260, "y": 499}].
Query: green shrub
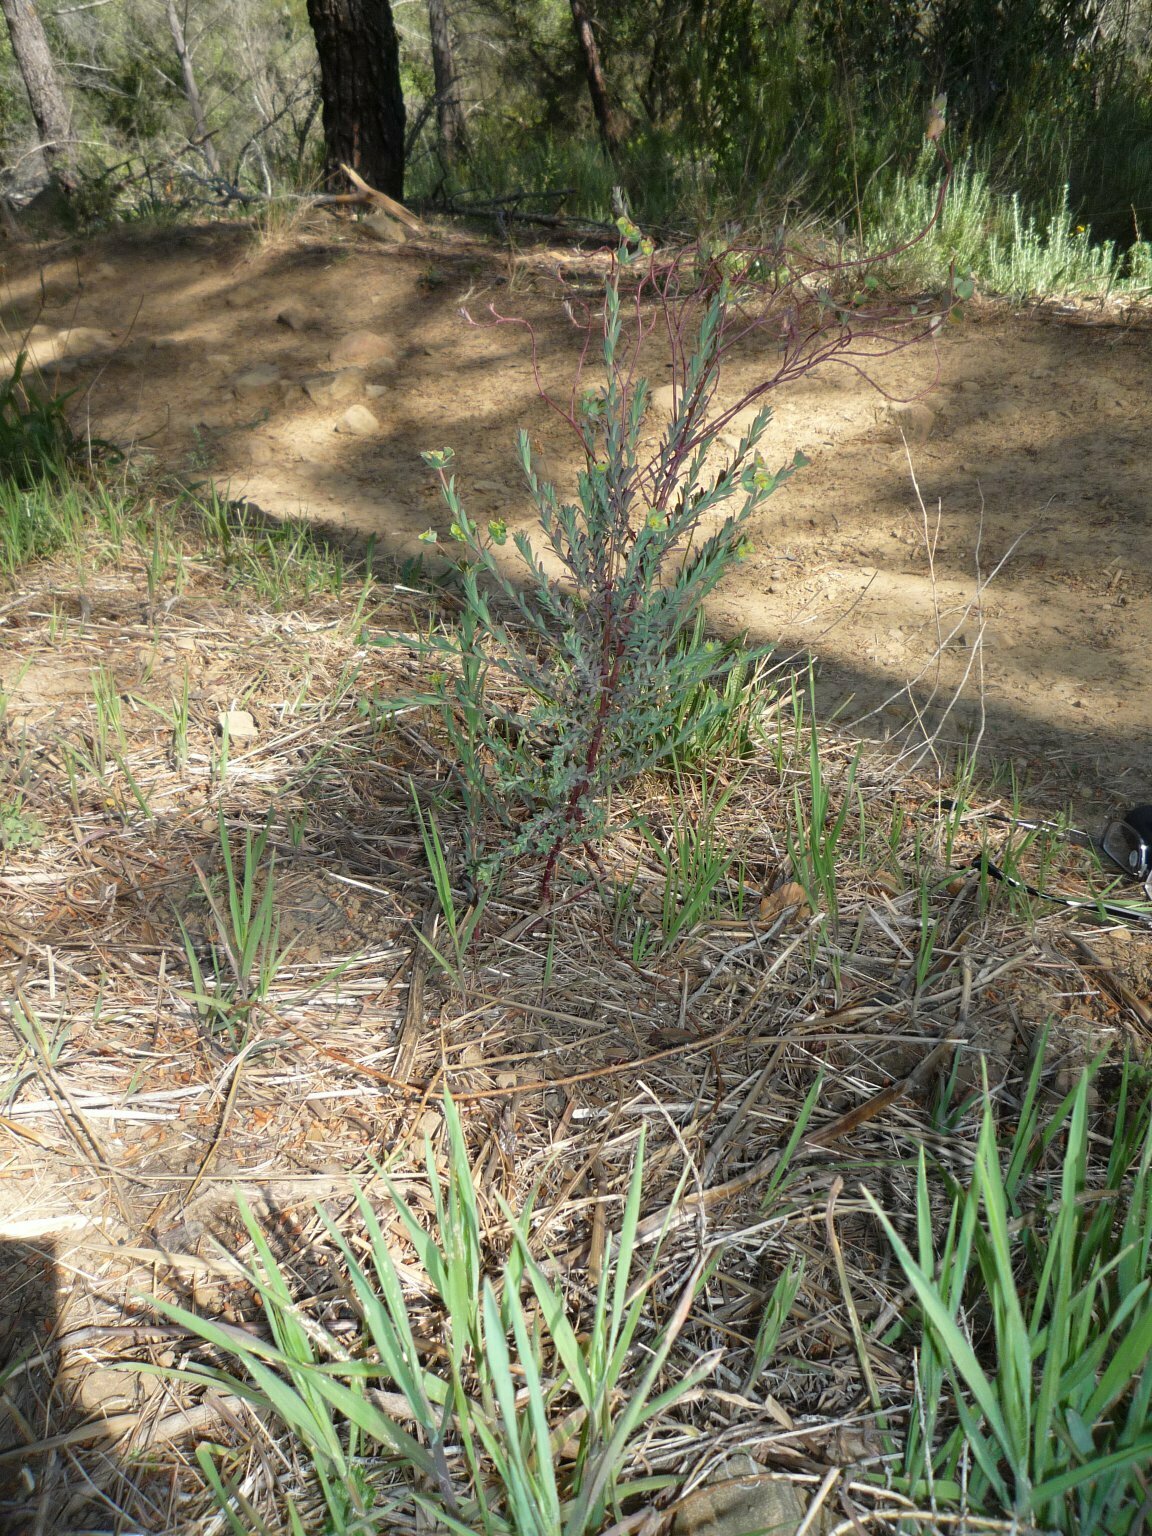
[
  {"x": 36, "y": 441},
  {"x": 583, "y": 685},
  {"x": 584, "y": 663}
]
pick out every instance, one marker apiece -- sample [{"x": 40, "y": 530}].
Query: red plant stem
[{"x": 613, "y": 646}]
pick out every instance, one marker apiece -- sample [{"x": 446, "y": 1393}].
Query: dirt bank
[{"x": 257, "y": 365}]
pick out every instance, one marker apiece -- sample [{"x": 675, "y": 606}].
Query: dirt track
[{"x": 196, "y": 345}]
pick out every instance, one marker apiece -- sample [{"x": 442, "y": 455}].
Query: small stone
[
  {"x": 347, "y": 383},
  {"x": 318, "y": 387},
  {"x": 742, "y": 1496},
  {"x": 99, "y": 1390},
  {"x": 664, "y": 400},
  {"x": 778, "y": 901},
  {"x": 358, "y": 421},
  {"x": 261, "y": 452},
  {"x": 242, "y": 296},
  {"x": 295, "y": 317},
  {"x": 46, "y": 346},
  {"x": 380, "y": 227},
  {"x": 428, "y": 1126},
  {"x": 255, "y": 380},
  {"x": 80, "y": 339},
  {"x": 546, "y": 469},
  {"x": 361, "y": 348},
  {"x": 238, "y": 723},
  {"x": 914, "y": 422}
]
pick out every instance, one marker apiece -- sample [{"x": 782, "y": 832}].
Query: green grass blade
[
  {"x": 957, "y": 1348},
  {"x": 1137, "y": 1456}
]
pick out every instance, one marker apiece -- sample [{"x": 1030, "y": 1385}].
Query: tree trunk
[
  {"x": 361, "y": 90},
  {"x": 597, "y": 87},
  {"x": 667, "y": 38},
  {"x": 45, "y": 96},
  {"x": 449, "y": 111},
  {"x": 203, "y": 140}
]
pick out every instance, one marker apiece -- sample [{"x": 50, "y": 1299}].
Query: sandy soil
[{"x": 229, "y": 358}]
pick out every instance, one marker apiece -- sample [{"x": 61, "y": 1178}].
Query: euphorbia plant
[{"x": 562, "y": 680}]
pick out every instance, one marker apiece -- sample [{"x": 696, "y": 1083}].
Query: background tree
[
  {"x": 178, "y": 26},
  {"x": 606, "y": 119},
  {"x": 360, "y": 85},
  {"x": 451, "y": 126},
  {"x": 50, "y": 108},
  {"x": 713, "y": 110}
]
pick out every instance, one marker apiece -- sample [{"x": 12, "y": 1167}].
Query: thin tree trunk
[
  {"x": 597, "y": 86},
  {"x": 45, "y": 95},
  {"x": 666, "y": 36},
  {"x": 361, "y": 90},
  {"x": 203, "y": 139},
  {"x": 450, "y": 123}
]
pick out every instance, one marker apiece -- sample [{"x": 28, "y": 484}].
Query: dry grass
[{"x": 129, "y": 1115}]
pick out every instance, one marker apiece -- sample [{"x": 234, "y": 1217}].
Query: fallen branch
[{"x": 380, "y": 200}]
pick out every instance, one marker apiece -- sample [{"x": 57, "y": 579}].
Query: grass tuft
[
  {"x": 1034, "y": 1308},
  {"x": 523, "y": 1423}
]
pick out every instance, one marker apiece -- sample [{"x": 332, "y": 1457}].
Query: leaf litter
[{"x": 139, "y": 1099}]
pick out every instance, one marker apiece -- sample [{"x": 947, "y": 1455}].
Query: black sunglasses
[{"x": 1128, "y": 843}]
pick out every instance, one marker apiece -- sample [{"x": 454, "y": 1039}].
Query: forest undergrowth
[{"x": 489, "y": 1058}]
